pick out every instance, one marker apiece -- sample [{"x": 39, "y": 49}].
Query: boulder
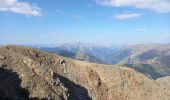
[{"x": 2, "y": 57}]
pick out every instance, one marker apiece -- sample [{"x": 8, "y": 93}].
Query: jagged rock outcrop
[{"x": 44, "y": 75}]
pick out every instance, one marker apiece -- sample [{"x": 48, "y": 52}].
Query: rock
[
  {"x": 27, "y": 79},
  {"x": 95, "y": 79},
  {"x": 62, "y": 62},
  {"x": 2, "y": 57}
]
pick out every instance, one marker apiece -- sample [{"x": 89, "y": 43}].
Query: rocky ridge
[{"x": 33, "y": 74}]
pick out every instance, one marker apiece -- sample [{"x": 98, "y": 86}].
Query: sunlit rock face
[{"x": 27, "y": 73}]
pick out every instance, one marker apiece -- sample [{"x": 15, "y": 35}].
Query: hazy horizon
[{"x": 100, "y": 22}]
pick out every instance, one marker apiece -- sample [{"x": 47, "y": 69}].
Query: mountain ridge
[
  {"x": 49, "y": 76},
  {"x": 149, "y": 59}
]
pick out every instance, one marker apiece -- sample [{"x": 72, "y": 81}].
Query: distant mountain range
[
  {"x": 151, "y": 59},
  {"x": 83, "y": 52}
]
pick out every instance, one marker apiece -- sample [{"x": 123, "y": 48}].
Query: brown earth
[{"x": 27, "y": 73}]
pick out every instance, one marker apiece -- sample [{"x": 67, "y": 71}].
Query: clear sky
[{"x": 86, "y": 21}]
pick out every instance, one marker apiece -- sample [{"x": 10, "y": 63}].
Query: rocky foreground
[{"x": 27, "y": 73}]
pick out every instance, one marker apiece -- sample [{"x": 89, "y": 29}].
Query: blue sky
[{"x": 86, "y": 21}]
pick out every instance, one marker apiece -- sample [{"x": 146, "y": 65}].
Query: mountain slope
[
  {"x": 139, "y": 53},
  {"x": 79, "y": 55},
  {"x": 83, "y": 56},
  {"x": 44, "y": 75},
  {"x": 92, "y": 53},
  {"x": 152, "y": 60}
]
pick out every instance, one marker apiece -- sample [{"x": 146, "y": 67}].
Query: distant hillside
[
  {"x": 83, "y": 52},
  {"x": 140, "y": 53},
  {"x": 27, "y": 73},
  {"x": 80, "y": 55},
  {"x": 152, "y": 60}
]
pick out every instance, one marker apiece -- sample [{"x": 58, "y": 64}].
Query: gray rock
[{"x": 2, "y": 57}]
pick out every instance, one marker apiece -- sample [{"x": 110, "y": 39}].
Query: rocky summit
[{"x": 27, "y": 73}]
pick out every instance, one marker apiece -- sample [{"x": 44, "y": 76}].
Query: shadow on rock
[
  {"x": 10, "y": 86},
  {"x": 76, "y": 91}
]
